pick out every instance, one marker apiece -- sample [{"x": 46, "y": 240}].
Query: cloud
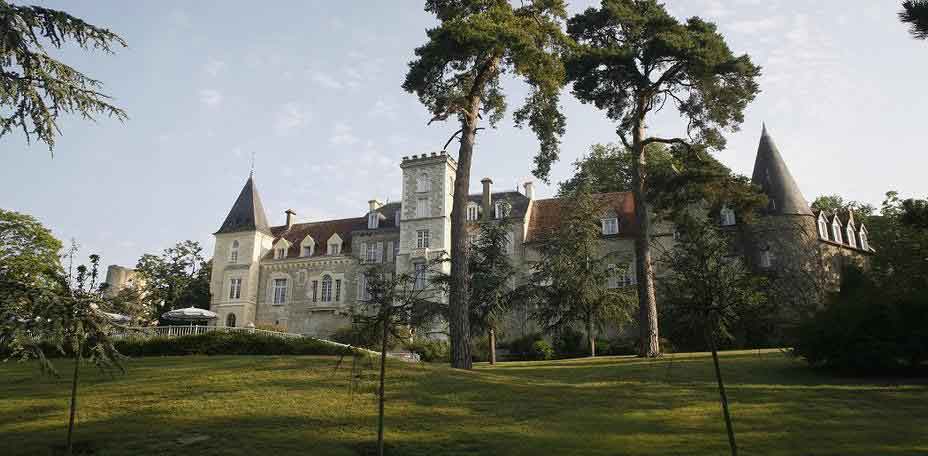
[
  {"x": 755, "y": 26},
  {"x": 343, "y": 136},
  {"x": 213, "y": 67},
  {"x": 325, "y": 80},
  {"x": 382, "y": 109},
  {"x": 291, "y": 116},
  {"x": 210, "y": 97}
]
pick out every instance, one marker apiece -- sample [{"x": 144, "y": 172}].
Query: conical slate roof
[
  {"x": 247, "y": 213},
  {"x": 774, "y": 178}
]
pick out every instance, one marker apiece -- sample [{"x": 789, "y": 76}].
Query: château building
[{"x": 306, "y": 277}]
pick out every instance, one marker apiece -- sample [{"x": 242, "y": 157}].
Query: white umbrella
[
  {"x": 190, "y": 314},
  {"x": 117, "y": 318}
]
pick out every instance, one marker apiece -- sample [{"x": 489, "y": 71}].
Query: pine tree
[
  {"x": 915, "y": 13},
  {"x": 491, "y": 275},
  {"x": 458, "y": 74}
]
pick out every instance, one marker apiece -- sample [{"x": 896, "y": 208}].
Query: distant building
[
  {"x": 119, "y": 277},
  {"x": 305, "y": 277}
]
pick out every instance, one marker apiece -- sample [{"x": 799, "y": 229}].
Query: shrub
[
  {"x": 430, "y": 350},
  {"x": 221, "y": 343},
  {"x": 570, "y": 342},
  {"x": 542, "y": 350},
  {"x": 521, "y": 348}
]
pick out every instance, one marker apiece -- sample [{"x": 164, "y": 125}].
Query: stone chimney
[
  {"x": 291, "y": 215},
  {"x": 529, "y": 190},
  {"x": 487, "y": 201}
]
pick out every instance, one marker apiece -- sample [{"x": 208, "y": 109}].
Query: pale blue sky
[{"x": 313, "y": 88}]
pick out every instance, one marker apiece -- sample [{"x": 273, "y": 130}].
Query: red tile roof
[{"x": 547, "y": 213}]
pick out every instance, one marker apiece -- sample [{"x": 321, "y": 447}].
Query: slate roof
[
  {"x": 547, "y": 213},
  {"x": 517, "y": 201},
  {"x": 247, "y": 214},
  {"x": 323, "y": 230},
  {"x": 774, "y": 178}
]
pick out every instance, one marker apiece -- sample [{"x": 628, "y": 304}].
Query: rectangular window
[
  {"x": 610, "y": 226},
  {"x": 335, "y": 249},
  {"x": 372, "y": 220},
  {"x": 371, "y": 253},
  {"x": 363, "y": 292},
  {"x": 338, "y": 290},
  {"x": 315, "y": 289},
  {"x": 422, "y": 239},
  {"x": 420, "y": 276},
  {"x": 235, "y": 289},
  {"x": 280, "y": 291},
  {"x": 472, "y": 212},
  {"x": 422, "y": 207},
  {"x": 233, "y": 258},
  {"x": 307, "y": 251}
]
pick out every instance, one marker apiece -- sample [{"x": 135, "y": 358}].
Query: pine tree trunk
[
  {"x": 724, "y": 397},
  {"x": 492, "y": 346},
  {"x": 383, "y": 372},
  {"x": 458, "y": 312},
  {"x": 591, "y": 337},
  {"x": 647, "y": 303},
  {"x": 74, "y": 378}
]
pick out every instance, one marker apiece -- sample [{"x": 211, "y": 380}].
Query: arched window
[
  {"x": 836, "y": 230},
  {"x": 233, "y": 254},
  {"x": 230, "y": 320},
  {"x": 727, "y": 216},
  {"x": 326, "y": 288},
  {"x": 423, "y": 184},
  {"x": 850, "y": 236}
]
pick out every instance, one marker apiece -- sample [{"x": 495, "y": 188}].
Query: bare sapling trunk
[
  {"x": 74, "y": 378},
  {"x": 492, "y": 346},
  {"x": 383, "y": 371},
  {"x": 724, "y": 398},
  {"x": 647, "y": 303}
]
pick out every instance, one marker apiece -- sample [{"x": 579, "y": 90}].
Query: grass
[{"x": 243, "y": 405}]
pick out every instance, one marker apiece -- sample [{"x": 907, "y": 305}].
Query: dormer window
[
  {"x": 280, "y": 253},
  {"x": 233, "y": 253},
  {"x": 864, "y": 242},
  {"x": 473, "y": 212},
  {"x": 851, "y": 241},
  {"x": 822, "y": 227},
  {"x": 308, "y": 247},
  {"x": 610, "y": 226},
  {"x": 727, "y": 217},
  {"x": 502, "y": 209},
  {"x": 836, "y": 230},
  {"x": 373, "y": 219},
  {"x": 423, "y": 184},
  {"x": 335, "y": 245}
]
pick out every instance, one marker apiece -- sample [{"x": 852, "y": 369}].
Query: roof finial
[
  {"x": 252, "y": 172},
  {"x": 764, "y": 128}
]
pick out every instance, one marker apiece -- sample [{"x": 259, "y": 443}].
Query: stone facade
[{"x": 307, "y": 277}]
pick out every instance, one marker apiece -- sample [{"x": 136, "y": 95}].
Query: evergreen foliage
[
  {"x": 36, "y": 88},
  {"x": 915, "y": 14},
  {"x": 631, "y": 59},
  {"x": 458, "y": 73}
]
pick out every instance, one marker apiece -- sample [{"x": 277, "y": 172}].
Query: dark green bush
[
  {"x": 541, "y": 350},
  {"x": 220, "y": 343},
  {"x": 570, "y": 342},
  {"x": 430, "y": 350},
  {"x": 521, "y": 348}
]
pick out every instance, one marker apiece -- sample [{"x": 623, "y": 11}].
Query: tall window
[
  {"x": 233, "y": 254},
  {"x": 836, "y": 231},
  {"x": 822, "y": 228},
  {"x": 613, "y": 281},
  {"x": 420, "y": 275},
  {"x": 326, "y": 288},
  {"x": 766, "y": 258},
  {"x": 727, "y": 217},
  {"x": 335, "y": 248},
  {"x": 280, "y": 291},
  {"x": 850, "y": 235},
  {"x": 502, "y": 209},
  {"x": 230, "y": 320},
  {"x": 338, "y": 290},
  {"x": 864, "y": 243},
  {"x": 508, "y": 246},
  {"x": 309, "y": 246},
  {"x": 315, "y": 290},
  {"x": 422, "y": 207},
  {"x": 373, "y": 220},
  {"x": 629, "y": 277},
  {"x": 363, "y": 292},
  {"x": 422, "y": 239},
  {"x": 473, "y": 213},
  {"x": 235, "y": 288},
  {"x": 423, "y": 184},
  {"x": 280, "y": 253},
  {"x": 371, "y": 256},
  {"x": 396, "y": 250},
  {"x": 610, "y": 226}
]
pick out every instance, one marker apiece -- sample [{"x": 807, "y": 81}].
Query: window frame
[
  {"x": 235, "y": 288},
  {"x": 605, "y": 223},
  {"x": 279, "y": 291},
  {"x": 233, "y": 253},
  {"x": 423, "y": 183},
  {"x": 326, "y": 288},
  {"x": 423, "y": 239}
]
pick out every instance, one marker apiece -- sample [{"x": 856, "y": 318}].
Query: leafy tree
[
  {"x": 631, "y": 59},
  {"x": 176, "y": 279},
  {"x": 835, "y": 203},
  {"x": 915, "y": 13},
  {"x": 570, "y": 282},
  {"x": 392, "y": 304},
  {"x": 491, "y": 274},
  {"x": 608, "y": 168},
  {"x": 710, "y": 288},
  {"x": 70, "y": 318},
  {"x": 29, "y": 261},
  {"x": 458, "y": 73},
  {"x": 34, "y": 87}
]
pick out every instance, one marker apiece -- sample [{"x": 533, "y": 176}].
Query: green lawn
[{"x": 608, "y": 406}]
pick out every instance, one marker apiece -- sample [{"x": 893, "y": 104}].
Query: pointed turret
[
  {"x": 774, "y": 178},
  {"x": 247, "y": 213}
]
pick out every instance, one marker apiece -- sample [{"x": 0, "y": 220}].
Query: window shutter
[
  {"x": 363, "y": 253},
  {"x": 389, "y": 253},
  {"x": 380, "y": 258}
]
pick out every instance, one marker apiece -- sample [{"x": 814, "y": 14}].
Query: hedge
[{"x": 219, "y": 343}]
